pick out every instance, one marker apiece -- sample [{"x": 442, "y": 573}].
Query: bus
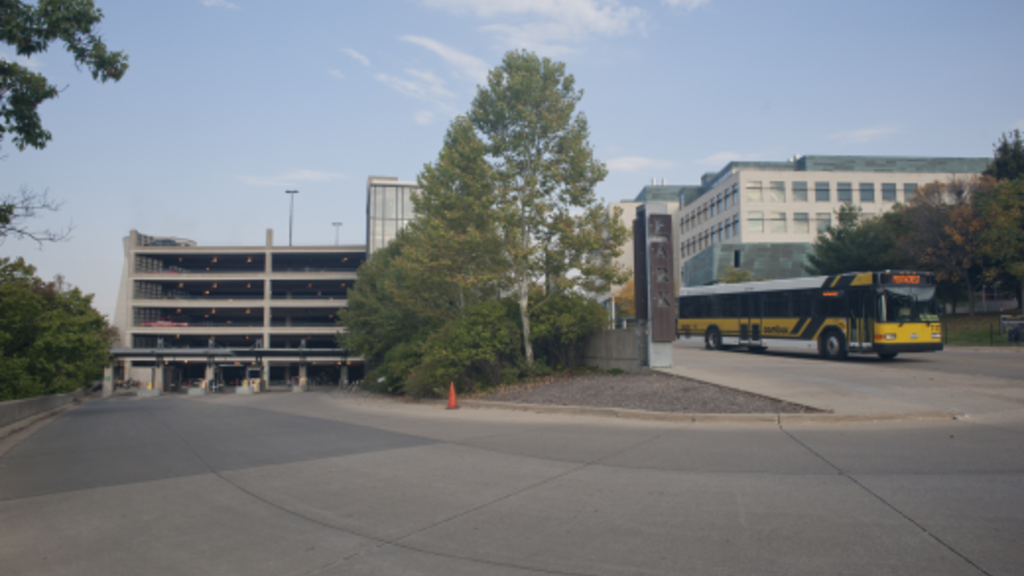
[{"x": 883, "y": 313}]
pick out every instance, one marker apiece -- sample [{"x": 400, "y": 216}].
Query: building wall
[{"x": 389, "y": 208}]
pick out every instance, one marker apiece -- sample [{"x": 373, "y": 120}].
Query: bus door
[
  {"x": 860, "y": 330},
  {"x": 750, "y": 319}
]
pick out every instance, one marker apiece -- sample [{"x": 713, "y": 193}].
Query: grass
[{"x": 982, "y": 329}]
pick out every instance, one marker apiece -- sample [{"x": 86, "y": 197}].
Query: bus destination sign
[{"x": 906, "y": 279}]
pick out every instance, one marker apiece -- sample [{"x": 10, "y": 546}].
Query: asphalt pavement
[{"x": 330, "y": 483}]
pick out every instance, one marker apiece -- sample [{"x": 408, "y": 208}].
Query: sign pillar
[{"x": 655, "y": 289}]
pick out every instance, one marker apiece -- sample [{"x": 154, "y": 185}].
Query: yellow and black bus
[{"x": 884, "y": 313}]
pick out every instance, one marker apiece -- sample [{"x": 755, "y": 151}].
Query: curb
[{"x": 684, "y": 417}]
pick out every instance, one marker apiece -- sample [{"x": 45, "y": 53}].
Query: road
[{"x": 326, "y": 483}]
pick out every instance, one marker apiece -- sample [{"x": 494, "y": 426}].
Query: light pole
[
  {"x": 291, "y": 214},
  {"x": 337, "y": 228}
]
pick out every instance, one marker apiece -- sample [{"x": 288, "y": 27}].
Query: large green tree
[
  {"x": 30, "y": 29},
  {"x": 554, "y": 232},
  {"x": 1002, "y": 238},
  {"x": 1008, "y": 158},
  {"x": 51, "y": 338},
  {"x": 857, "y": 244}
]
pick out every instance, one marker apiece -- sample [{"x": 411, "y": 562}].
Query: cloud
[
  {"x": 425, "y": 86},
  {"x": 293, "y": 178},
  {"x": 357, "y": 56},
  {"x": 863, "y": 135},
  {"x": 721, "y": 158},
  {"x": 687, "y": 4},
  {"x": 423, "y": 117},
  {"x": 546, "y": 25},
  {"x": 220, "y": 4},
  {"x": 469, "y": 67},
  {"x": 336, "y": 73},
  {"x": 635, "y": 163}
]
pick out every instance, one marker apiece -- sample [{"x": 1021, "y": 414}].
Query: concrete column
[
  {"x": 108, "y": 381},
  {"x": 266, "y": 374},
  {"x": 210, "y": 370},
  {"x": 158, "y": 376}
]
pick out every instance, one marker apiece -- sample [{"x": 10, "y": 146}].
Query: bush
[{"x": 561, "y": 326}]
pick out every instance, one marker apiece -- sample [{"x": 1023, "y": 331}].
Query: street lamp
[
  {"x": 291, "y": 214},
  {"x": 337, "y": 228}
]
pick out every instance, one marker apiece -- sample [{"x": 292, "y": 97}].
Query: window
[
  {"x": 754, "y": 192},
  {"x": 778, "y": 222},
  {"x": 909, "y": 191},
  {"x": 735, "y": 224},
  {"x": 888, "y": 192},
  {"x": 719, "y": 203},
  {"x": 867, "y": 192},
  {"x": 822, "y": 192},
  {"x": 728, "y": 196},
  {"x": 755, "y": 221},
  {"x": 776, "y": 304},
  {"x": 728, "y": 228},
  {"x": 777, "y": 191},
  {"x": 735, "y": 194},
  {"x": 711, "y": 235},
  {"x": 801, "y": 222},
  {"x": 719, "y": 232},
  {"x": 844, "y": 191},
  {"x": 824, "y": 220},
  {"x": 711, "y": 209},
  {"x": 799, "y": 191}
]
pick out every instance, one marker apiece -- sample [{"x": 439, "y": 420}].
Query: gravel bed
[{"x": 652, "y": 391}]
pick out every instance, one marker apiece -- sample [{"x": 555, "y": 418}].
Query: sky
[{"x": 228, "y": 103}]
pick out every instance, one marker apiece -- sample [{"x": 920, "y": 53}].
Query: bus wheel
[
  {"x": 713, "y": 339},
  {"x": 888, "y": 356},
  {"x": 832, "y": 345}
]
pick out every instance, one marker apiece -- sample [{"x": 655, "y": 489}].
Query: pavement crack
[{"x": 885, "y": 502}]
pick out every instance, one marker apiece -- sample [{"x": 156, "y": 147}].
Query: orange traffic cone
[{"x": 453, "y": 402}]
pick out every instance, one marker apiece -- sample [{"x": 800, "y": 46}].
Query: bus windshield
[{"x": 908, "y": 304}]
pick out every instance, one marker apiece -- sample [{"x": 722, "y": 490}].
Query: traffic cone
[{"x": 453, "y": 402}]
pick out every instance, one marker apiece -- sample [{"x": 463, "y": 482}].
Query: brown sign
[{"x": 662, "y": 288}]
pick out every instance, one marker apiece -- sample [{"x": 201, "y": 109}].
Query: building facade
[
  {"x": 178, "y": 298},
  {"x": 776, "y": 203},
  {"x": 388, "y": 209}
]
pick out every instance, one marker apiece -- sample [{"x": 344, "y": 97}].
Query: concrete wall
[
  {"x": 15, "y": 410},
  {"x": 610, "y": 349}
]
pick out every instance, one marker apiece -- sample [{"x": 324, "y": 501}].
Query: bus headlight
[{"x": 890, "y": 336}]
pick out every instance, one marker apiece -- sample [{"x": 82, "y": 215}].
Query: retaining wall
[
  {"x": 610, "y": 349},
  {"x": 15, "y": 410}
]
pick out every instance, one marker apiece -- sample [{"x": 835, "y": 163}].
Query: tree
[
  {"x": 625, "y": 299},
  {"x": 1002, "y": 239},
  {"x": 736, "y": 276},
  {"x": 51, "y": 338},
  {"x": 945, "y": 233},
  {"x": 1008, "y": 160},
  {"x": 554, "y": 232},
  {"x": 30, "y": 30},
  {"x": 16, "y": 210},
  {"x": 856, "y": 244}
]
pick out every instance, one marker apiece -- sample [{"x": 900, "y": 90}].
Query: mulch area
[{"x": 649, "y": 390}]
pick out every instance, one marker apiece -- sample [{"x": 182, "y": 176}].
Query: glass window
[
  {"x": 728, "y": 228},
  {"x": 719, "y": 202},
  {"x": 867, "y": 191},
  {"x": 735, "y": 224},
  {"x": 735, "y": 194},
  {"x": 822, "y": 192},
  {"x": 777, "y": 191},
  {"x": 711, "y": 208},
  {"x": 824, "y": 220},
  {"x": 909, "y": 191},
  {"x": 390, "y": 205},
  {"x": 728, "y": 195},
  {"x": 778, "y": 220},
  {"x": 888, "y": 192},
  {"x": 801, "y": 222},
  {"x": 844, "y": 191},
  {"x": 755, "y": 221},
  {"x": 754, "y": 192},
  {"x": 720, "y": 228},
  {"x": 799, "y": 191}
]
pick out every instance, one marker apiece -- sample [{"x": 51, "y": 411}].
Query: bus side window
[
  {"x": 744, "y": 305},
  {"x": 803, "y": 303},
  {"x": 729, "y": 306},
  {"x": 776, "y": 304},
  {"x": 755, "y": 305}
]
